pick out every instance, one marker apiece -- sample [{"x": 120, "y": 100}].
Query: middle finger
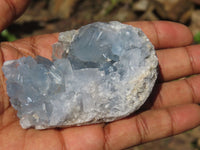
[{"x": 178, "y": 62}]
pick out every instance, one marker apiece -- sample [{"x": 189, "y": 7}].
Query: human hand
[{"x": 174, "y": 102}]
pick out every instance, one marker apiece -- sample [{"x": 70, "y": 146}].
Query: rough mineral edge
[{"x": 66, "y": 38}]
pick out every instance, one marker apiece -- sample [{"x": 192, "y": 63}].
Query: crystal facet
[{"x": 99, "y": 73}]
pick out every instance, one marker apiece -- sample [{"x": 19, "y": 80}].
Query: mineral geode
[{"x": 99, "y": 73}]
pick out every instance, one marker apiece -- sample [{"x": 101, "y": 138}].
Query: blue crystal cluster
[{"x": 100, "y": 73}]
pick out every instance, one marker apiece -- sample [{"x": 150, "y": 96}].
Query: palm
[{"x": 173, "y": 110}]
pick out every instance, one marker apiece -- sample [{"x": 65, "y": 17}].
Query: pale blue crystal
[{"x": 100, "y": 73}]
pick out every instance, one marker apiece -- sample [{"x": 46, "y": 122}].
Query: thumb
[{"x": 10, "y": 10}]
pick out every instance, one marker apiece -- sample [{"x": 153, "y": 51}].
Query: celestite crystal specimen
[{"x": 100, "y": 73}]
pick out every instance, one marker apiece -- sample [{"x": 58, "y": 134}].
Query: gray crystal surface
[{"x": 99, "y": 73}]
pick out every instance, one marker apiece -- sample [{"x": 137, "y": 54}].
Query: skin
[{"x": 172, "y": 108}]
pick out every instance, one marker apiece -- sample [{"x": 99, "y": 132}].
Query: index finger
[{"x": 165, "y": 34}]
